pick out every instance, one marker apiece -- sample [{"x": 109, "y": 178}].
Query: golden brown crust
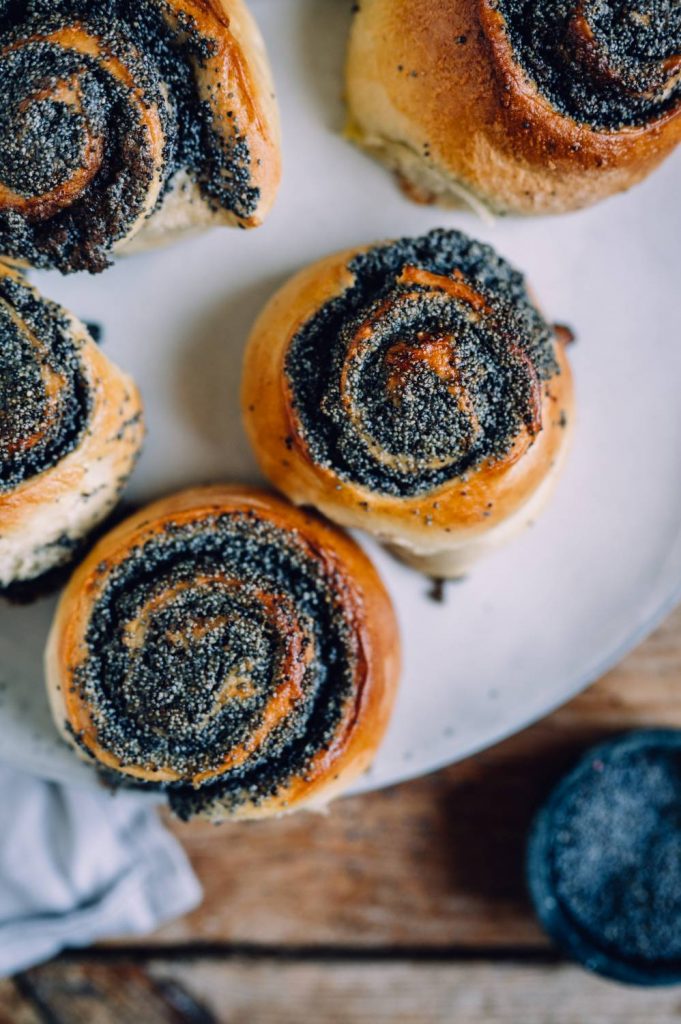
[
  {"x": 41, "y": 206},
  {"x": 157, "y": 151},
  {"x": 261, "y": 114},
  {"x": 239, "y": 70},
  {"x": 441, "y": 531},
  {"x": 70, "y": 497},
  {"x": 450, "y": 116},
  {"x": 368, "y": 606}
]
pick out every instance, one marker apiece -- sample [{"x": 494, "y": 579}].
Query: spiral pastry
[
  {"x": 229, "y": 648},
  {"x": 413, "y": 390},
  {"x": 129, "y": 120},
  {"x": 70, "y": 432},
  {"x": 525, "y": 106}
]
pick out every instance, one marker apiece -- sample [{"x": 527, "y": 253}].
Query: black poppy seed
[
  {"x": 621, "y": 78},
  {"x": 161, "y": 704},
  {"x": 96, "y": 332},
  {"x": 424, "y": 436},
  {"x": 614, "y": 852},
  {"x": 437, "y": 591},
  {"x": 43, "y": 140},
  {"x": 34, "y": 432}
]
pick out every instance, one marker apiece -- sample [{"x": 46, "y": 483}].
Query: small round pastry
[
  {"x": 229, "y": 648},
  {"x": 523, "y": 106},
  {"x": 413, "y": 390},
  {"x": 125, "y": 124},
  {"x": 71, "y": 429}
]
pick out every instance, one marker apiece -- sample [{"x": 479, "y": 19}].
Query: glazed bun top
[
  {"x": 104, "y": 103},
  {"x": 605, "y": 63},
  {"x": 226, "y": 644},
  {"x": 45, "y": 403},
  {"x": 430, "y": 365}
]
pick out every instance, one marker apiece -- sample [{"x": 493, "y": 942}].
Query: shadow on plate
[
  {"x": 208, "y": 378},
  {"x": 323, "y": 43}
]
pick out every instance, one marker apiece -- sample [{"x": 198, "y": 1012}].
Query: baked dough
[
  {"x": 411, "y": 389},
  {"x": 230, "y": 648},
  {"x": 524, "y": 108},
  {"x": 71, "y": 428},
  {"x": 161, "y": 119}
]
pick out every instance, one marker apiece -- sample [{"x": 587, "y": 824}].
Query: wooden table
[{"x": 404, "y": 907}]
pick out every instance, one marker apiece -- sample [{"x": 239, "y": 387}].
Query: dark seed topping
[
  {"x": 605, "y": 858},
  {"x": 607, "y": 63},
  {"x": 428, "y": 365},
  {"x": 74, "y": 148},
  {"x": 44, "y": 403},
  {"x": 192, "y": 638}
]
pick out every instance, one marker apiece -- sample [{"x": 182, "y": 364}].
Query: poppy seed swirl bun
[
  {"x": 124, "y": 123},
  {"x": 523, "y": 106},
  {"x": 71, "y": 428},
  {"x": 413, "y": 390},
  {"x": 229, "y": 648}
]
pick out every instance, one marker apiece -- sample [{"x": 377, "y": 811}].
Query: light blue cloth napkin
[{"x": 78, "y": 865}]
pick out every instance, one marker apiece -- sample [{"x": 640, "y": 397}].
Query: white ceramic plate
[{"x": 541, "y": 619}]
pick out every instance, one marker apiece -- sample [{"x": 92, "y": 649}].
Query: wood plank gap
[{"x": 521, "y": 955}]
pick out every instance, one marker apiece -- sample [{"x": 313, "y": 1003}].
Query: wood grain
[
  {"x": 269, "y": 991},
  {"x": 407, "y": 906},
  {"x": 398, "y": 993},
  {"x": 434, "y": 863},
  {"x": 69, "y": 992},
  {"x": 16, "y": 1008}
]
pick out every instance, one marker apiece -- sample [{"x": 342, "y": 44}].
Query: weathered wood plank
[
  {"x": 435, "y": 862},
  {"x": 398, "y": 993},
  {"x": 89, "y": 992},
  {"x": 271, "y": 991},
  {"x": 15, "y": 1008}
]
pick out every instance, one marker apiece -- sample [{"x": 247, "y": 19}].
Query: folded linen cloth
[{"x": 78, "y": 865}]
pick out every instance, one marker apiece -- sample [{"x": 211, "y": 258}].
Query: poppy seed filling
[
  {"x": 70, "y": 119},
  {"x": 190, "y": 640},
  {"x": 606, "y": 63},
  {"x": 44, "y": 398},
  {"x": 400, "y": 386}
]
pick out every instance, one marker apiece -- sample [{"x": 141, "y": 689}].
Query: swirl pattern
[
  {"x": 223, "y": 656},
  {"x": 607, "y": 63},
  {"x": 102, "y": 104},
  {"x": 44, "y": 399},
  {"x": 431, "y": 364}
]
